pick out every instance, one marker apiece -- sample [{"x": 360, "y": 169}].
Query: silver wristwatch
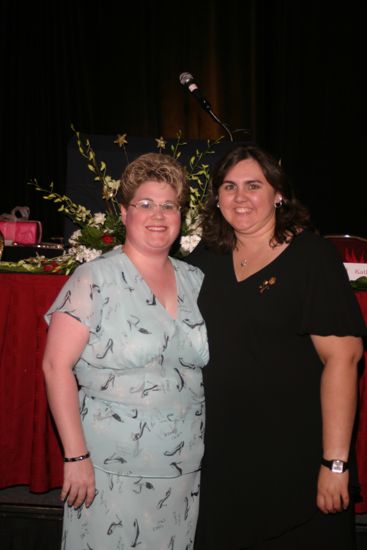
[{"x": 337, "y": 466}]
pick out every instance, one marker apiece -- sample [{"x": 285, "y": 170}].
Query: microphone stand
[
  {"x": 187, "y": 80},
  {"x": 222, "y": 124}
]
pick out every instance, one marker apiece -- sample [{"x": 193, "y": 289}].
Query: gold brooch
[{"x": 267, "y": 284}]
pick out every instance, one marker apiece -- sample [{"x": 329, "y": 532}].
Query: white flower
[
  {"x": 83, "y": 254},
  {"x": 74, "y": 238},
  {"x": 110, "y": 187},
  {"x": 189, "y": 242},
  {"x": 98, "y": 219},
  {"x": 111, "y": 183},
  {"x": 81, "y": 213},
  {"x": 192, "y": 222}
]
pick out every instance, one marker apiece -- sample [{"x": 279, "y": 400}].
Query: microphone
[{"x": 187, "y": 80}]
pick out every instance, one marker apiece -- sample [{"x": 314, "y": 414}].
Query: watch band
[{"x": 337, "y": 466}]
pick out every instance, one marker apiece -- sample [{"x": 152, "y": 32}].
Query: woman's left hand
[
  {"x": 332, "y": 491},
  {"x": 340, "y": 356}
]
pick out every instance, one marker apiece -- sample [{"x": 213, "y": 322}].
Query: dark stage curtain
[{"x": 290, "y": 71}]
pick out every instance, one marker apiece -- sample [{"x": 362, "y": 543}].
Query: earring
[
  {"x": 218, "y": 205},
  {"x": 278, "y": 204}
]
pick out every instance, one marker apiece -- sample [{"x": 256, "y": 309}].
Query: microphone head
[{"x": 186, "y": 78}]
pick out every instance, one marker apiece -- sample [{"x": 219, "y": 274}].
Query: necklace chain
[{"x": 244, "y": 261}]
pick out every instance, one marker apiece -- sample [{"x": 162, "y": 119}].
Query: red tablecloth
[
  {"x": 30, "y": 453},
  {"x": 29, "y": 450}
]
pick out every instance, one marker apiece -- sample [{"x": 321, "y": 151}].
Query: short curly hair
[
  {"x": 290, "y": 218},
  {"x": 156, "y": 167}
]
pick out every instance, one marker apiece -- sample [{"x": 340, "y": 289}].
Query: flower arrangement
[{"x": 101, "y": 231}]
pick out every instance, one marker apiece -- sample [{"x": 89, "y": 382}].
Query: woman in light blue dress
[{"x": 128, "y": 328}]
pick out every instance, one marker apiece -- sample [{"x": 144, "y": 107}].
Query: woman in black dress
[{"x": 284, "y": 337}]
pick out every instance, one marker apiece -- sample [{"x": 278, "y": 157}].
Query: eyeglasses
[{"x": 167, "y": 207}]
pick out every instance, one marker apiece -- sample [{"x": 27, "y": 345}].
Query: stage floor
[{"x": 32, "y": 521}]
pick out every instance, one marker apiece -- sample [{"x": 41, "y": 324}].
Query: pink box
[{"x": 21, "y": 232}]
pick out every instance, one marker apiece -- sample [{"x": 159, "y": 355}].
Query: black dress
[{"x": 263, "y": 433}]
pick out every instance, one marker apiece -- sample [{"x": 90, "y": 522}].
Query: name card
[{"x": 355, "y": 270}]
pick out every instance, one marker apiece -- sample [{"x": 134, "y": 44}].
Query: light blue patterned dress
[{"x": 141, "y": 404}]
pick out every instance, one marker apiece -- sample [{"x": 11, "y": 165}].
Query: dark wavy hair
[{"x": 290, "y": 218}]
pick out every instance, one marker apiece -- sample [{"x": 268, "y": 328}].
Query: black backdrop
[{"x": 289, "y": 70}]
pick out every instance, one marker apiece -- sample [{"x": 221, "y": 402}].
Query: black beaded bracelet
[{"x": 77, "y": 458}]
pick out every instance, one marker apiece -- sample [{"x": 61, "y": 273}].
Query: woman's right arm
[{"x": 66, "y": 340}]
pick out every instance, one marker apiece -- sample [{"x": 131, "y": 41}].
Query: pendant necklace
[{"x": 244, "y": 261}]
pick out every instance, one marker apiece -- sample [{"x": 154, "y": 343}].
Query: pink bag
[{"x": 20, "y": 230}]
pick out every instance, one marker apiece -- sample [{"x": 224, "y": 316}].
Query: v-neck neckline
[
  {"x": 259, "y": 271},
  {"x": 133, "y": 266}
]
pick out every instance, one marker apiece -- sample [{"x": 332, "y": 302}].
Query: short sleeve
[
  {"x": 80, "y": 298},
  {"x": 329, "y": 304}
]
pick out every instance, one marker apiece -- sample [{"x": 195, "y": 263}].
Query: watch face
[{"x": 337, "y": 466}]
